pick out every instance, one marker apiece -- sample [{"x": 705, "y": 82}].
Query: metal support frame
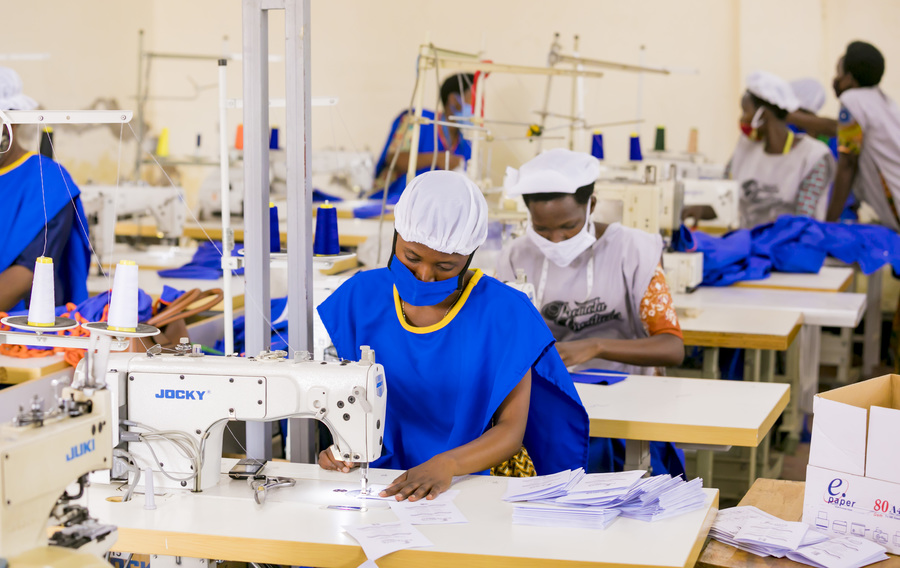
[{"x": 256, "y": 200}]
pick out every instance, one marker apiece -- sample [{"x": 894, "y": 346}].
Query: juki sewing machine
[
  {"x": 170, "y": 410},
  {"x": 44, "y": 450},
  {"x": 104, "y": 208}
]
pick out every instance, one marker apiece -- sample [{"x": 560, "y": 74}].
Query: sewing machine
[
  {"x": 637, "y": 198},
  {"x": 44, "y": 450},
  {"x": 684, "y": 271},
  {"x": 104, "y": 205},
  {"x": 170, "y": 411},
  {"x": 723, "y": 195},
  {"x": 345, "y": 174}
]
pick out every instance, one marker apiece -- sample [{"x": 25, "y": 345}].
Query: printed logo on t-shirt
[
  {"x": 579, "y": 315},
  {"x": 760, "y": 203}
]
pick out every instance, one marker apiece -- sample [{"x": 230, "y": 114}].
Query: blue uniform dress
[
  {"x": 27, "y": 187},
  {"x": 446, "y": 381},
  {"x": 426, "y": 145}
]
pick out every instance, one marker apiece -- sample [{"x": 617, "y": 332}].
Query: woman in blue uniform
[{"x": 471, "y": 366}]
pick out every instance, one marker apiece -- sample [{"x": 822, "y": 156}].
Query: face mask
[
  {"x": 465, "y": 111},
  {"x": 417, "y": 293},
  {"x": 563, "y": 253},
  {"x": 751, "y": 129}
]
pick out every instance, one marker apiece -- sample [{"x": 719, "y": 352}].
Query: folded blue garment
[
  {"x": 205, "y": 265},
  {"x": 790, "y": 244}
]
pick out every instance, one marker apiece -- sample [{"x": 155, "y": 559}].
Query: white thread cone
[
  {"x": 42, "y": 310},
  {"x": 123, "y": 306}
]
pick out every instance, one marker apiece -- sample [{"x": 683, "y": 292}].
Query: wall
[{"x": 365, "y": 52}]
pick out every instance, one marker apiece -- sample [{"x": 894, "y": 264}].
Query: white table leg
[
  {"x": 637, "y": 455},
  {"x": 872, "y": 325}
]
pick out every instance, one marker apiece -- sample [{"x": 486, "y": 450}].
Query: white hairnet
[
  {"x": 445, "y": 211},
  {"x": 11, "y": 97},
  {"x": 772, "y": 89},
  {"x": 554, "y": 171},
  {"x": 810, "y": 94}
]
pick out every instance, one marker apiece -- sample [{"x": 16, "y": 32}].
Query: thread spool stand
[{"x": 21, "y": 323}]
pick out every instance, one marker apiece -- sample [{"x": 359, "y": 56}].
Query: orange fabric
[{"x": 657, "y": 312}]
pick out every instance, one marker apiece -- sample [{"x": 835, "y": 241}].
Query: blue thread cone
[
  {"x": 597, "y": 145},
  {"x": 326, "y": 231},
  {"x": 273, "y": 139},
  {"x": 274, "y": 231},
  {"x": 634, "y": 153}
]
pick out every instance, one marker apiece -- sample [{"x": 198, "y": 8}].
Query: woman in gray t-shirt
[{"x": 600, "y": 288}]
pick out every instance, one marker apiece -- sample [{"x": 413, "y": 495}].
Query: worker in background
[
  {"x": 868, "y": 132},
  {"x": 811, "y": 97},
  {"x": 779, "y": 172},
  {"x": 471, "y": 368},
  {"x": 440, "y": 146},
  {"x": 600, "y": 288},
  {"x": 41, "y": 214}
]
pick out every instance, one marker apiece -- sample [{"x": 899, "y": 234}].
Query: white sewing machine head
[
  {"x": 720, "y": 194},
  {"x": 637, "y": 198},
  {"x": 104, "y": 205},
  {"x": 194, "y": 396},
  {"x": 44, "y": 451}
]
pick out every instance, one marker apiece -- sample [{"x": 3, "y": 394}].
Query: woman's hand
[
  {"x": 327, "y": 461},
  {"x": 578, "y": 352},
  {"x": 424, "y": 481},
  {"x": 698, "y": 213}
]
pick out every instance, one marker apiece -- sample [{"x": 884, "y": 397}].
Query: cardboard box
[{"x": 853, "y": 477}]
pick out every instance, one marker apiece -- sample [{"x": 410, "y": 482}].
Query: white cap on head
[
  {"x": 11, "y": 97},
  {"x": 445, "y": 211},
  {"x": 810, "y": 94},
  {"x": 554, "y": 171},
  {"x": 772, "y": 89}
]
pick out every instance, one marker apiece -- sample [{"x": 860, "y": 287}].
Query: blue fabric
[
  {"x": 373, "y": 209},
  {"x": 426, "y": 145},
  {"x": 205, "y": 265},
  {"x": 444, "y": 386},
  {"x": 279, "y": 329},
  {"x": 35, "y": 184},
  {"x": 319, "y": 195},
  {"x": 790, "y": 244}
]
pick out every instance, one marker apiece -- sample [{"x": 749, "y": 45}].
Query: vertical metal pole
[
  {"x": 140, "y": 109},
  {"x": 299, "y": 205},
  {"x": 575, "y": 95},
  {"x": 256, "y": 200},
  {"x": 419, "y": 98},
  {"x": 225, "y": 196}
]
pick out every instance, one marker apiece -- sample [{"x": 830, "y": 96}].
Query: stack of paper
[
  {"x": 568, "y": 516},
  {"x": 541, "y": 486},
  {"x": 662, "y": 497},
  {"x": 574, "y": 499},
  {"x": 760, "y": 533}
]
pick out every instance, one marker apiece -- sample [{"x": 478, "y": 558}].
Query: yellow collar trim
[
  {"x": 789, "y": 143},
  {"x": 448, "y": 318},
  {"x": 16, "y": 164}
]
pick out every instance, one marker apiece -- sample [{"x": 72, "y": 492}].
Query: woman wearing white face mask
[
  {"x": 780, "y": 173},
  {"x": 600, "y": 288}
]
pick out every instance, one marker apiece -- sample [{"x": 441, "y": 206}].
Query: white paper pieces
[{"x": 760, "y": 533}]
